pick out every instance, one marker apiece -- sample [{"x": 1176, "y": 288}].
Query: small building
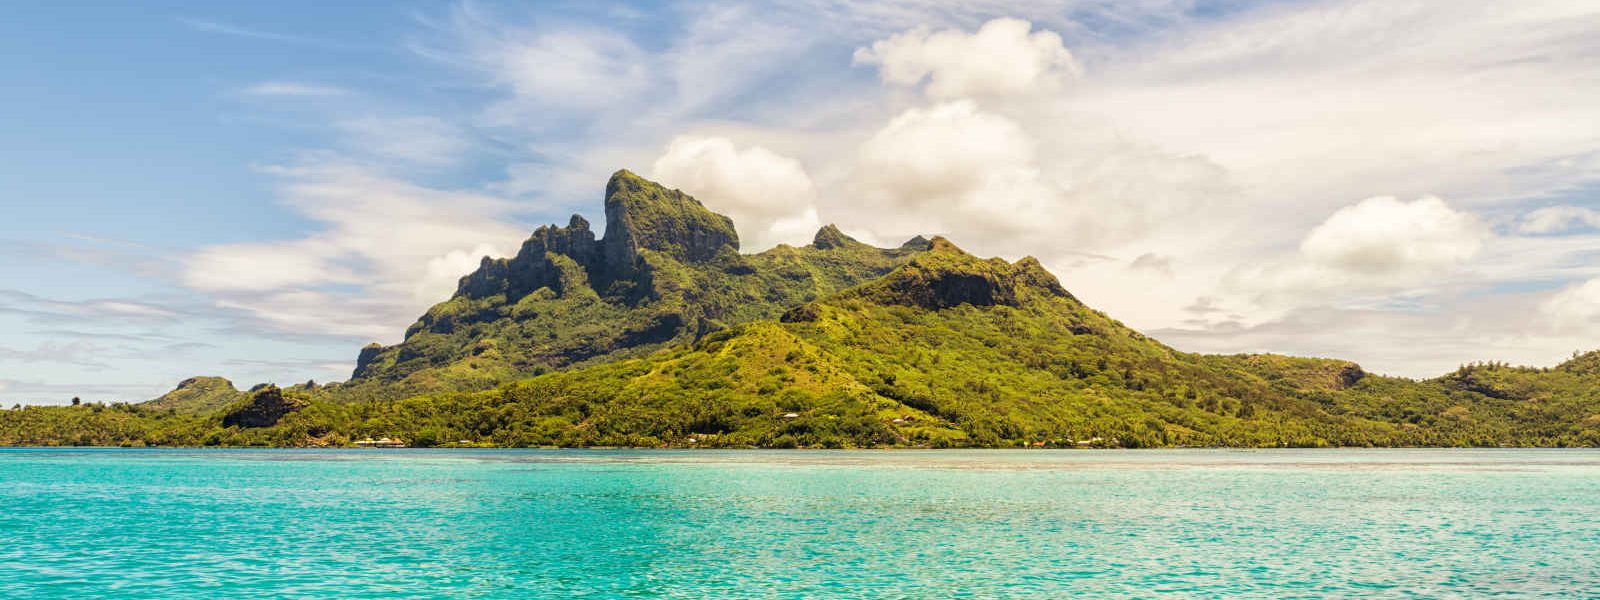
[{"x": 380, "y": 443}]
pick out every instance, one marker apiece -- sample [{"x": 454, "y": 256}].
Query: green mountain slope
[
  {"x": 667, "y": 271},
  {"x": 198, "y": 395}
]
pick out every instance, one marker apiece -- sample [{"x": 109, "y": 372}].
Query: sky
[{"x": 256, "y": 190}]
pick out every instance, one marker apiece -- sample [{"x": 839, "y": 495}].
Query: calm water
[{"x": 564, "y": 523}]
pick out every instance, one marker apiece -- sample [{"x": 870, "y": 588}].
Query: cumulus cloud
[
  {"x": 981, "y": 176},
  {"x": 1002, "y": 57},
  {"x": 1558, "y": 219},
  {"x": 1380, "y": 242},
  {"x": 1382, "y": 235},
  {"x": 387, "y": 249},
  {"x": 769, "y": 196},
  {"x": 1575, "y": 307}
]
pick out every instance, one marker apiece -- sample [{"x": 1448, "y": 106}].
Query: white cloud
[
  {"x": 571, "y": 69},
  {"x": 948, "y": 155},
  {"x": 1377, "y": 244},
  {"x": 1558, "y": 219},
  {"x": 1002, "y": 57},
  {"x": 251, "y": 267},
  {"x": 1382, "y": 235},
  {"x": 1575, "y": 307},
  {"x": 769, "y": 196},
  {"x": 1332, "y": 100},
  {"x": 391, "y": 249},
  {"x": 1059, "y": 188}
]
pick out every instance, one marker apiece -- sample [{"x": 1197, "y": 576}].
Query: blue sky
[{"x": 256, "y": 190}]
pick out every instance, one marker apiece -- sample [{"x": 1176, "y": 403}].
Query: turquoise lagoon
[{"x": 798, "y": 524}]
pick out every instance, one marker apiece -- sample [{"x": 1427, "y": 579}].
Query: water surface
[{"x": 844, "y": 524}]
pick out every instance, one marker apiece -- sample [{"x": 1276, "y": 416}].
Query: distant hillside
[{"x": 198, "y": 395}]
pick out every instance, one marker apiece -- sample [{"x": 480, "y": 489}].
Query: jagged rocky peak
[
  {"x": 575, "y": 240},
  {"x": 830, "y": 238},
  {"x": 640, "y": 215},
  {"x": 644, "y": 215},
  {"x": 531, "y": 268},
  {"x": 917, "y": 244}
]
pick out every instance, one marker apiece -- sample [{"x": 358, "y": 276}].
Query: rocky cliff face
[
  {"x": 533, "y": 268},
  {"x": 642, "y": 215},
  {"x": 266, "y": 406}
]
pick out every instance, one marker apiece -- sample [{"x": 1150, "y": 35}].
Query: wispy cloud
[
  {"x": 99, "y": 310},
  {"x": 418, "y": 140},
  {"x": 386, "y": 249},
  {"x": 292, "y": 89},
  {"x": 229, "y": 29}
]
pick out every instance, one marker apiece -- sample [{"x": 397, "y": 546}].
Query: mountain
[
  {"x": 945, "y": 350},
  {"x": 667, "y": 272},
  {"x": 198, "y": 395},
  {"x": 662, "y": 334}
]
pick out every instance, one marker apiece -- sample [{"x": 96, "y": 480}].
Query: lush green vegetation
[{"x": 677, "y": 340}]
